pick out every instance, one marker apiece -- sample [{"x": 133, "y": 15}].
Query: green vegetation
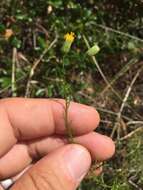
[{"x": 31, "y": 37}]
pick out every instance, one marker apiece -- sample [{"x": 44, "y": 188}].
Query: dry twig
[
  {"x": 135, "y": 123},
  {"x": 118, "y": 120},
  {"x": 129, "y": 135},
  {"x": 13, "y": 80},
  {"x": 35, "y": 65},
  {"x": 121, "y": 73},
  {"x": 94, "y": 103},
  {"x": 106, "y": 28}
]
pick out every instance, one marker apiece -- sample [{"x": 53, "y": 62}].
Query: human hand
[{"x": 32, "y": 135}]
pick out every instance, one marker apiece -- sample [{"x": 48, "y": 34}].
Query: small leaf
[
  {"x": 42, "y": 43},
  {"x": 16, "y": 42}
]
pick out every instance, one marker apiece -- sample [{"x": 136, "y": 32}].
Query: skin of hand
[{"x": 33, "y": 138}]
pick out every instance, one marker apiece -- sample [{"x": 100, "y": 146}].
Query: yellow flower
[{"x": 69, "y": 38}]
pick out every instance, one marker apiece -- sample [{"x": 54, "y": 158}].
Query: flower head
[{"x": 69, "y": 38}]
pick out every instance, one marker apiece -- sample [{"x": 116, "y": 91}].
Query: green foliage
[{"x": 15, "y": 42}]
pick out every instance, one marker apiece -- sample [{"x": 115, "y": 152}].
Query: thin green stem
[
  {"x": 67, "y": 102},
  {"x": 67, "y": 125}
]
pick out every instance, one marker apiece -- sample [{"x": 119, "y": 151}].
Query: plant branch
[{"x": 100, "y": 70}]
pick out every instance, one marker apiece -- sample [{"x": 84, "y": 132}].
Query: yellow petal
[{"x": 70, "y": 37}]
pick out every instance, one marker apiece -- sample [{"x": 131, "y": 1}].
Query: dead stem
[
  {"x": 129, "y": 135},
  {"x": 95, "y": 166},
  {"x": 119, "y": 114},
  {"x": 100, "y": 70},
  {"x": 35, "y": 65},
  {"x": 13, "y": 80}
]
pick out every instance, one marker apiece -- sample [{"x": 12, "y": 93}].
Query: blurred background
[{"x": 31, "y": 36}]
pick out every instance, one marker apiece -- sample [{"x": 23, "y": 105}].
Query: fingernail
[{"x": 77, "y": 160}]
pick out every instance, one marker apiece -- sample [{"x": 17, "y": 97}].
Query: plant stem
[
  {"x": 67, "y": 103},
  {"x": 69, "y": 130}
]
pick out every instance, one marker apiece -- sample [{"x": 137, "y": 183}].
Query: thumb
[{"x": 62, "y": 169}]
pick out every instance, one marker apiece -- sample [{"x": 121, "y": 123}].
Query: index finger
[{"x": 26, "y": 119}]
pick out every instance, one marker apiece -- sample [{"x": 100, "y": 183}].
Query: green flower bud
[
  {"x": 93, "y": 50},
  {"x": 66, "y": 46}
]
